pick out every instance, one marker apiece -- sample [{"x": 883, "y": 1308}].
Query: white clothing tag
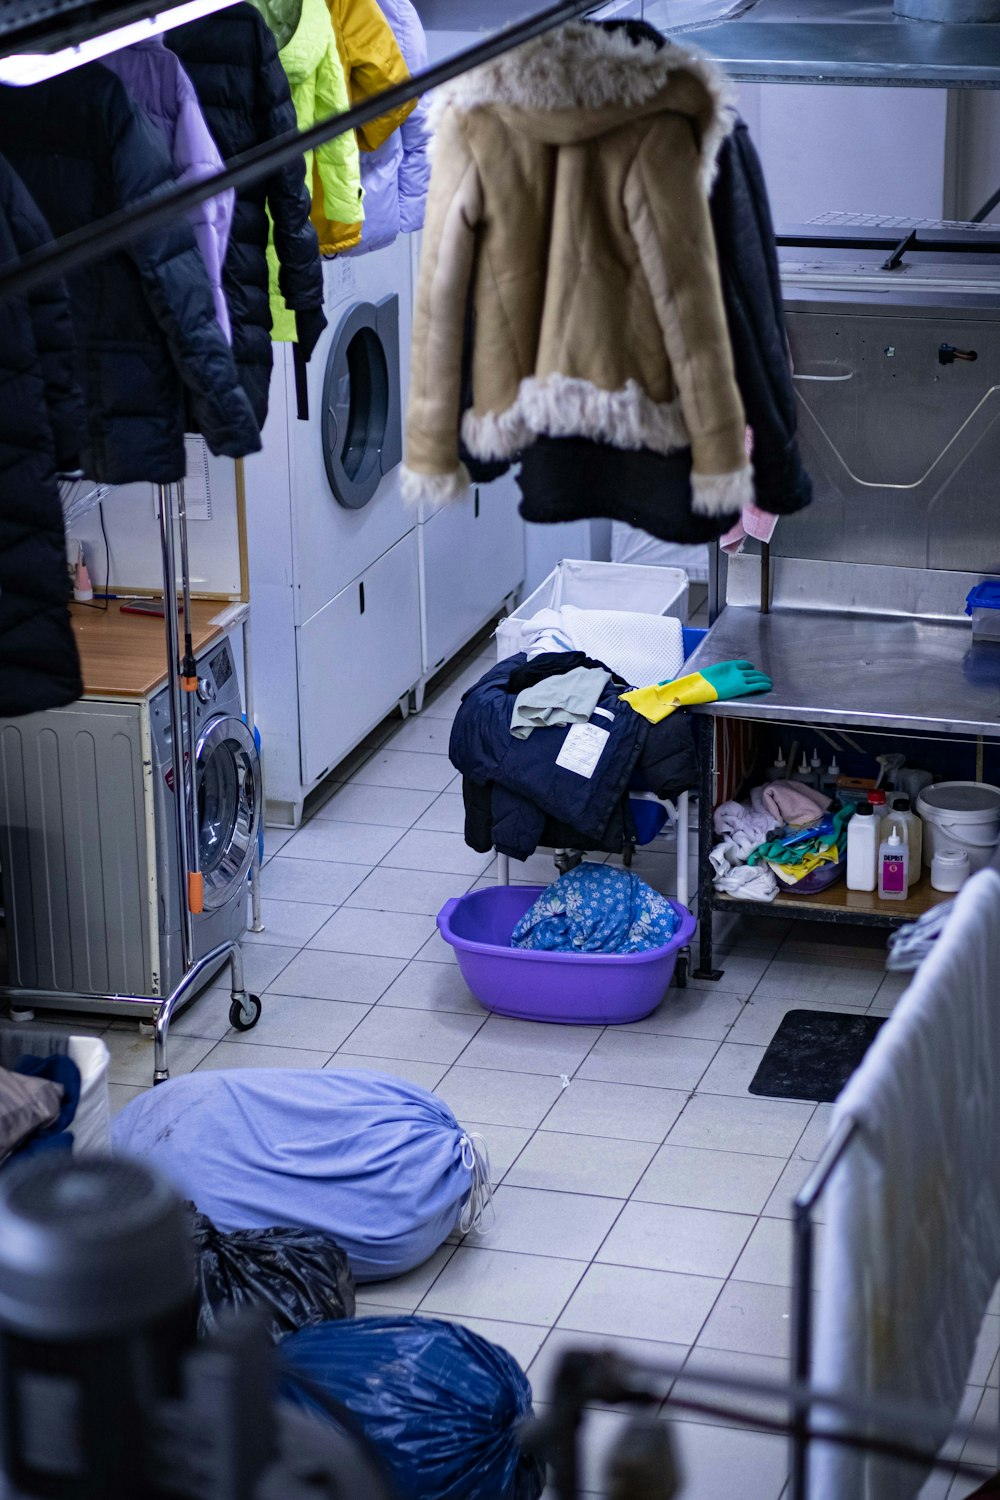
[
  {"x": 582, "y": 749},
  {"x": 605, "y": 713}
]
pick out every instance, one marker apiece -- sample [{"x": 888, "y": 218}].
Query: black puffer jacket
[
  {"x": 144, "y": 317},
  {"x": 232, "y": 60},
  {"x": 520, "y": 794},
  {"x": 41, "y": 414}
]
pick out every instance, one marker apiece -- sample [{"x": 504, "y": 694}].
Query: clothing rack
[
  {"x": 803, "y": 1284},
  {"x": 908, "y": 1431},
  {"x": 115, "y": 230}
]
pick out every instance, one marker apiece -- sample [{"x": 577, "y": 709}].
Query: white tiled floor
[{"x": 643, "y": 1195}]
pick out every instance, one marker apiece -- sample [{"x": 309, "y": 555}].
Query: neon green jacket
[{"x": 307, "y": 47}]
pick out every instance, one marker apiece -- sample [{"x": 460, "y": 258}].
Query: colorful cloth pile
[{"x": 597, "y": 909}]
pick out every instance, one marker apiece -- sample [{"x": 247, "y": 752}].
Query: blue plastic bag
[
  {"x": 439, "y": 1403},
  {"x": 378, "y": 1163}
]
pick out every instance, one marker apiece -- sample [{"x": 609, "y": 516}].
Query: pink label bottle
[{"x": 893, "y": 868}]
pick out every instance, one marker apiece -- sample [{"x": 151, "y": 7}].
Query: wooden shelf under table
[{"x": 866, "y": 903}]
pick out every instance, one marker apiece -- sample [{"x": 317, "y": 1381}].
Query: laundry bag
[
  {"x": 439, "y": 1403},
  {"x": 295, "y": 1277},
  {"x": 378, "y": 1163}
]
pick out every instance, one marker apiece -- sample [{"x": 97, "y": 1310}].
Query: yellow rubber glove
[{"x": 727, "y": 679}]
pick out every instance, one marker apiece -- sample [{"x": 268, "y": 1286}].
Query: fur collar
[{"x": 586, "y": 67}]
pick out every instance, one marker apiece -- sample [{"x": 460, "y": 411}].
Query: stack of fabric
[{"x": 785, "y": 836}]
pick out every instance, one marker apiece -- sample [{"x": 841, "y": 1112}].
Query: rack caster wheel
[
  {"x": 244, "y": 1014},
  {"x": 681, "y": 971}
]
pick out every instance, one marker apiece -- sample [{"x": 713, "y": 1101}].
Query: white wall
[{"x": 857, "y": 150}]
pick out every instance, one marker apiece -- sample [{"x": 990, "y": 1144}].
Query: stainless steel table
[{"x": 844, "y": 671}]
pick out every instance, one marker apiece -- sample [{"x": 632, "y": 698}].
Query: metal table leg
[{"x": 705, "y": 732}]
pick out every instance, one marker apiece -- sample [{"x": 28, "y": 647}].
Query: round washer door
[
  {"x": 361, "y": 403},
  {"x": 229, "y": 806}
]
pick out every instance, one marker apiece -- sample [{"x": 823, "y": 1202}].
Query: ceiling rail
[{"x": 119, "y": 229}]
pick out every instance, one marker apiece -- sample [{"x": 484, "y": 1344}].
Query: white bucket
[{"x": 961, "y": 815}]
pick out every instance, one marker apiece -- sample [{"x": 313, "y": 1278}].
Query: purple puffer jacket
[
  {"x": 159, "y": 85},
  {"x": 395, "y": 177}
]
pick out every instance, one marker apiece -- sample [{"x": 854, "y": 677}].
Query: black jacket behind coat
[
  {"x": 517, "y": 796},
  {"x": 232, "y": 60},
  {"x": 567, "y": 479},
  {"x": 41, "y": 416},
  {"x": 145, "y": 321}
]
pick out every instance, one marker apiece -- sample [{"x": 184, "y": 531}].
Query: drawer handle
[
  {"x": 361, "y": 597},
  {"x": 476, "y": 508}
]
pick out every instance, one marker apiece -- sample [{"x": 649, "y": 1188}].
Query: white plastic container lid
[{"x": 962, "y": 801}]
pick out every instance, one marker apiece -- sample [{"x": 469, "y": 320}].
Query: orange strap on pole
[{"x": 196, "y": 892}]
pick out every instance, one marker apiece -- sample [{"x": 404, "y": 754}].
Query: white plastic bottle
[
  {"x": 828, "y": 781},
  {"x": 779, "y": 771},
  {"x": 893, "y": 868},
  {"x": 816, "y": 770},
  {"x": 911, "y": 828},
  {"x": 862, "y": 848},
  {"x": 804, "y": 773}
]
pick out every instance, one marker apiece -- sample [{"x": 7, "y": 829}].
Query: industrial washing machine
[{"x": 88, "y": 830}]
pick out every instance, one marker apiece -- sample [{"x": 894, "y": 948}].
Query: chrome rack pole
[
  {"x": 803, "y": 1232},
  {"x": 176, "y": 718},
  {"x": 189, "y": 680},
  {"x": 256, "y": 922}
]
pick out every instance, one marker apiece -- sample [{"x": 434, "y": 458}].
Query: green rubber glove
[{"x": 727, "y": 679}]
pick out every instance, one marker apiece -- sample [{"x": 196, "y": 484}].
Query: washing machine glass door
[{"x": 229, "y": 806}]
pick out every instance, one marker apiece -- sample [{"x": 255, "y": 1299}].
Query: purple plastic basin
[{"x": 575, "y": 988}]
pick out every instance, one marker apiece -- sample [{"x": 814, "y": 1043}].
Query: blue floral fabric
[{"x": 597, "y": 909}]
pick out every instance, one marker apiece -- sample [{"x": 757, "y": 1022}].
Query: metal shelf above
[{"x": 830, "y": 41}]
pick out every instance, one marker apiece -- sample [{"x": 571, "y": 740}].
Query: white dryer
[{"x": 332, "y": 545}]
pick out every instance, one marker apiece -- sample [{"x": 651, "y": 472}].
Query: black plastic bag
[
  {"x": 440, "y": 1404},
  {"x": 297, "y": 1277}
]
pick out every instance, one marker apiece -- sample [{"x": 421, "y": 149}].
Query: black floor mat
[{"x": 813, "y": 1053}]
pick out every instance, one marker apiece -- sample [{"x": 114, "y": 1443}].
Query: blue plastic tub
[{"x": 579, "y": 989}]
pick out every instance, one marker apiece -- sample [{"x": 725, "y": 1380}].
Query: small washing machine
[{"x": 87, "y": 831}]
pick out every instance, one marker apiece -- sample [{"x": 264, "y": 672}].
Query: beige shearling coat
[{"x": 569, "y": 199}]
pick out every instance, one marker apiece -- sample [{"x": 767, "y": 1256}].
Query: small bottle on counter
[
  {"x": 804, "y": 774},
  {"x": 893, "y": 868},
  {"x": 911, "y": 828},
  {"x": 779, "y": 771},
  {"x": 816, "y": 770},
  {"x": 830, "y": 777},
  {"x": 862, "y": 849}
]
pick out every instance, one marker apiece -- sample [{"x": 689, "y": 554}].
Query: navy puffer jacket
[
  {"x": 232, "y": 60},
  {"x": 41, "y": 418},
  {"x": 145, "y": 322},
  {"x": 529, "y": 788}
]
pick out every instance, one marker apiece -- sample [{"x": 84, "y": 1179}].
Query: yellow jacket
[
  {"x": 372, "y": 61},
  {"x": 311, "y": 59}
]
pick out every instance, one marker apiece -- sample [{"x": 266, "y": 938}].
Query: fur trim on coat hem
[
  {"x": 434, "y": 489},
  {"x": 719, "y": 494},
  {"x": 564, "y": 406}
]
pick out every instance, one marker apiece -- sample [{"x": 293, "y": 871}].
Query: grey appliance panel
[
  {"x": 903, "y": 450},
  {"x": 74, "y": 849}
]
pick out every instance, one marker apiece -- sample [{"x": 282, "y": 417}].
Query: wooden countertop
[{"x": 124, "y": 656}]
